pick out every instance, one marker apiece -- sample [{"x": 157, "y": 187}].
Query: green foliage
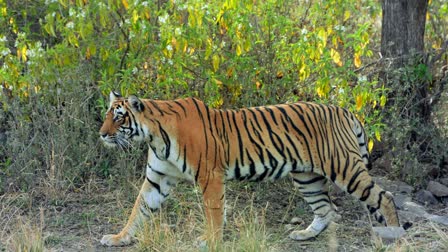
[
  {"x": 213, "y": 50},
  {"x": 229, "y": 53},
  {"x": 420, "y": 138},
  {"x": 57, "y": 54}
]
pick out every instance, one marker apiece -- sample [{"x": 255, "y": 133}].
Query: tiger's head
[{"x": 123, "y": 122}]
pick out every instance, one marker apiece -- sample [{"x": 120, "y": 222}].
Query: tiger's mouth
[{"x": 115, "y": 140}]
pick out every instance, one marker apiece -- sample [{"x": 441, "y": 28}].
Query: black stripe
[
  {"x": 366, "y": 192},
  {"x": 252, "y": 170},
  {"x": 201, "y": 116},
  {"x": 143, "y": 211},
  {"x": 350, "y": 187},
  {"x": 237, "y": 170},
  {"x": 154, "y": 184},
  {"x": 166, "y": 140},
  {"x": 240, "y": 141},
  {"x": 271, "y": 112},
  {"x": 307, "y": 144},
  {"x": 181, "y": 106},
  {"x": 300, "y": 115},
  {"x": 307, "y": 182},
  {"x": 156, "y": 106},
  {"x": 319, "y": 200},
  {"x": 184, "y": 165}
]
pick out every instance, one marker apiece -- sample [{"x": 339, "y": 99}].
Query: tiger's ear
[
  {"x": 136, "y": 103},
  {"x": 113, "y": 96}
]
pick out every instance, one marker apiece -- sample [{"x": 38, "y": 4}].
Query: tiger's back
[{"x": 269, "y": 142}]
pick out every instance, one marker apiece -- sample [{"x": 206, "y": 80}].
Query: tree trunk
[
  {"x": 403, "y": 28},
  {"x": 402, "y": 41}
]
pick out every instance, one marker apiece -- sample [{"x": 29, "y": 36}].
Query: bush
[
  {"x": 60, "y": 59},
  {"x": 417, "y": 131}
]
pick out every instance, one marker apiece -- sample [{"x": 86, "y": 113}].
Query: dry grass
[
  {"x": 255, "y": 222},
  {"x": 27, "y": 238},
  {"x": 423, "y": 236},
  {"x": 245, "y": 230}
]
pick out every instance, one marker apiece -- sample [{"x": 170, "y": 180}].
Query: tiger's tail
[{"x": 363, "y": 142}]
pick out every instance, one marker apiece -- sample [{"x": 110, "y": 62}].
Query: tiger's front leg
[
  {"x": 213, "y": 189},
  {"x": 153, "y": 193}
]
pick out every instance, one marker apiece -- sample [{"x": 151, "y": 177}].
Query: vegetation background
[{"x": 60, "y": 58}]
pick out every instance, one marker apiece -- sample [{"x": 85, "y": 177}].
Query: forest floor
[{"x": 258, "y": 219}]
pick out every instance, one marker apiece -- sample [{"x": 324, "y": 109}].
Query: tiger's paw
[
  {"x": 303, "y": 235},
  {"x": 202, "y": 242},
  {"x": 318, "y": 225},
  {"x": 116, "y": 240}
]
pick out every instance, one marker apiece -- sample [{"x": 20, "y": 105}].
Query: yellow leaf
[
  {"x": 383, "y": 100},
  {"x": 346, "y": 15},
  {"x": 125, "y": 4},
  {"x": 134, "y": 16},
  {"x": 304, "y": 72},
  {"x": 370, "y": 145},
  {"x": 215, "y": 62},
  {"x": 147, "y": 14},
  {"x": 88, "y": 53},
  {"x": 229, "y": 72},
  {"x": 378, "y": 135},
  {"x": 218, "y": 83},
  {"x": 359, "y": 102},
  {"x": 320, "y": 92},
  {"x": 357, "y": 60},
  {"x": 336, "y": 57},
  {"x": 24, "y": 58},
  {"x": 279, "y": 75},
  {"x": 322, "y": 34},
  {"x": 238, "y": 50}
]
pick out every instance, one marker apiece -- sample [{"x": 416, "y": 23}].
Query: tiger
[{"x": 315, "y": 144}]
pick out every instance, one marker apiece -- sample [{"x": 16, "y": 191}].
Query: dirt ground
[{"x": 76, "y": 220}]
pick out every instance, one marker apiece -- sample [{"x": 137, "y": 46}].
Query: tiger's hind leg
[
  {"x": 314, "y": 189},
  {"x": 153, "y": 193}
]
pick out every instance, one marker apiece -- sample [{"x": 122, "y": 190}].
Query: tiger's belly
[{"x": 273, "y": 170}]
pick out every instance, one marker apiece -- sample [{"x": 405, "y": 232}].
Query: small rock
[
  {"x": 425, "y": 197},
  {"x": 406, "y": 216},
  {"x": 415, "y": 208},
  {"x": 361, "y": 223},
  {"x": 296, "y": 221},
  {"x": 382, "y": 182},
  {"x": 393, "y": 186},
  {"x": 384, "y": 162},
  {"x": 444, "y": 181},
  {"x": 3, "y": 139},
  {"x": 444, "y": 200},
  {"x": 402, "y": 187},
  {"x": 336, "y": 191},
  {"x": 289, "y": 227},
  {"x": 400, "y": 199},
  {"x": 338, "y": 201},
  {"x": 389, "y": 234},
  {"x": 438, "y": 219},
  {"x": 437, "y": 189}
]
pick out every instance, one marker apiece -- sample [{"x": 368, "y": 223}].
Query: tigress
[{"x": 313, "y": 143}]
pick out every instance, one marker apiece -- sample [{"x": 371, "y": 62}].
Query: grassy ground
[{"x": 258, "y": 217}]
